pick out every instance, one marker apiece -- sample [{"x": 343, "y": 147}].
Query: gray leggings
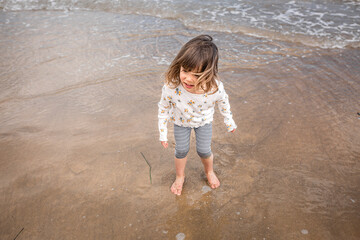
[{"x": 203, "y": 140}]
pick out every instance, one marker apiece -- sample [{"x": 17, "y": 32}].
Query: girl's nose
[{"x": 188, "y": 77}]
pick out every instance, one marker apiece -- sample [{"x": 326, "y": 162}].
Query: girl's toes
[
  {"x": 178, "y": 192},
  {"x": 173, "y": 189}
]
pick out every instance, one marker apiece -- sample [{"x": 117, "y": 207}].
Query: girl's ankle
[{"x": 209, "y": 172}]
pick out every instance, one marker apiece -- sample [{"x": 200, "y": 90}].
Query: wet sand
[{"x": 78, "y": 106}]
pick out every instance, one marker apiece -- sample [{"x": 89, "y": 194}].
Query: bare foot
[
  {"x": 177, "y": 186},
  {"x": 213, "y": 180}
]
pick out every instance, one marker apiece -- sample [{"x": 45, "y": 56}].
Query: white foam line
[{"x": 125, "y": 56}]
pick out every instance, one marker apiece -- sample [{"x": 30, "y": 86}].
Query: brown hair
[{"x": 199, "y": 55}]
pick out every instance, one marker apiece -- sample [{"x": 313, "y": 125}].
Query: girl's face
[{"x": 188, "y": 80}]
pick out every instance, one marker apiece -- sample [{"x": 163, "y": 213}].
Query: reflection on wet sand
[{"x": 77, "y": 112}]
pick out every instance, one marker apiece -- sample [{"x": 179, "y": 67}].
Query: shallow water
[{"x": 78, "y": 106}]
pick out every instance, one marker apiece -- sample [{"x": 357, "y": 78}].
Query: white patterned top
[{"x": 192, "y": 110}]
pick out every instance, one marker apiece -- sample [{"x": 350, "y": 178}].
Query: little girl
[{"x": 188, "y": 99}]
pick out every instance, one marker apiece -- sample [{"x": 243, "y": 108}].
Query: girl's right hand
[{"x": 165, "y": 144}]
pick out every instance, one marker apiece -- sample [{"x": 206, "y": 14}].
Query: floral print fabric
[{"x": 192, "y": 110}]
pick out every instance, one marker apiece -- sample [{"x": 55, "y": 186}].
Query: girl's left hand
[{"x": 164, "y": 143}]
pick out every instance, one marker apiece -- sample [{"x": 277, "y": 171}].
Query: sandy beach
[{"x": 78, "y": 108}]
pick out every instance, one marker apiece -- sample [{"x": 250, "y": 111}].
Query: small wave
[{"x": 308, "y": 39}]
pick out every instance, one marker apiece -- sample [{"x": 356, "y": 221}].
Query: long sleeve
[
  {"x": 163, "y": 114},
  {"x": 224, "y": 107}
]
